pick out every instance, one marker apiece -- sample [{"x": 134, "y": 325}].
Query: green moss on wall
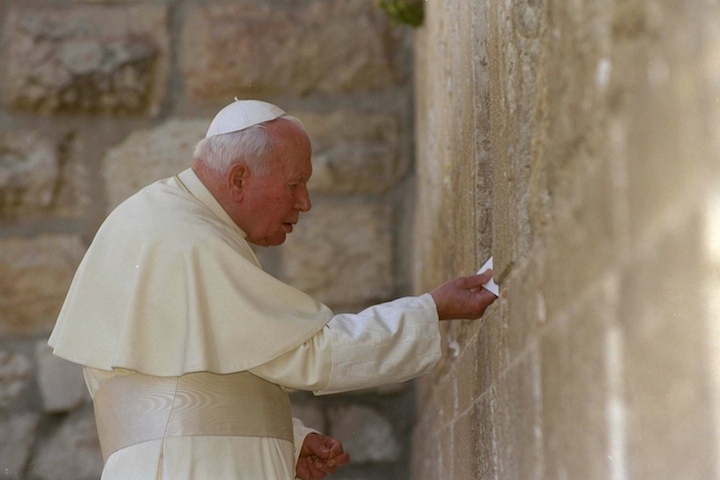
[{"x": 404, "y": 11}]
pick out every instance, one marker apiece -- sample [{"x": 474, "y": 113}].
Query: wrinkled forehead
[{"x": 289, "y": 156}]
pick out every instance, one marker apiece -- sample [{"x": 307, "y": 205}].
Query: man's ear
[{"x": 235, "y": 178}]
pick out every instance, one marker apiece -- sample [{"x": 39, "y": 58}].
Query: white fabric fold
[
  {"x": 387, "y": 343},
  {"x": 170, "y": 286},
  {"x": 391, "y": 342}
]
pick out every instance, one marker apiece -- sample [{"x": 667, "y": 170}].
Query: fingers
[
  {"x": 475, "y": 281},
  {"x": 336, "y": 455},
  {"x": 320, "y": 455},
  {"x": 334, "y": 461},
  {"x": 329, "y": 447},
  {"x": 302, "y": 469},
  {"x": 463, "y": 297},
  {"x": 335, "y": 447},
  {"x": 316, "y": 444},
  {"x": 342, "y": 459},
  {"x": 318, "y": 467},
  {"x": 327, "y": 465},
  {"x": 313, "y": 468}
]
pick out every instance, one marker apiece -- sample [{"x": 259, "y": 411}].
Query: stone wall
[
  {"x": 579, "y": 144},
  {"x": 98, "y": 98}
]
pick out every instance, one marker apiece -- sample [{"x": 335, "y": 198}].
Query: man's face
[{"x": 276, "y": 199}]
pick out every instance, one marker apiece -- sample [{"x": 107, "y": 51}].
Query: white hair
[{"x": 250, "y": 146}]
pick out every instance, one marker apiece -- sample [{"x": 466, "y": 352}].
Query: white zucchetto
[{"x": 242, "y": 114}]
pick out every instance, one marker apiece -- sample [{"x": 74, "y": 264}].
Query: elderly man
[{"x": 189, "y": 347}]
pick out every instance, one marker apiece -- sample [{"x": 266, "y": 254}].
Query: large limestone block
[
  {"x": 87, "y": 59},
  {"x": 40, "y": 176},
  {"x": 149, "y": 155},
  {"x": 36, "y": 276},
  {"x": 341, "y": 254},
  {"x": 581, "y": 364},
  {"x": 310, "y": 414},
  {"x": 354, "y": 152},
  {"x": 249, "y": 48},
  {"x": 29, "y": 172},
  {"x": 513, "y": 54},
  {"x": 365, "y": 433},
  {"x": 16, "y": 375},
  {"x": 454, "y": 182},
  {"x": 667, "y": 349},
  {"x": 71, "y": 452},
  {"x": 17, "y": 437},
  {"x": 62, "y": 385}
]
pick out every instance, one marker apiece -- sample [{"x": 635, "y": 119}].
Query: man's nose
[{"x": 302, "y": 201}]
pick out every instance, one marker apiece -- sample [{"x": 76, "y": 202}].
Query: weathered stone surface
[
  {"x": 603, "y": 121},
  {"x": 36, "y": 275},
  {"x": 248, "y": 48},
  {"x": 16, "y": 373},
  {"x": 29, "y": 172},
  {"x": 41, "y": 177},
  {"x": 354, "y": 152},
  {"x": 310, "y": 414},
  {"x": 61, "y": 383},
  {"x": 17, "y": 436},
  {"x": 75, "y": 196},
  {"x": 365, "y": 433},
  {"x": 466, "y": 459},
  {"x": 90, "y": 115},
  {"x": 72, "y": 452},
  {"x": 454, "y": 185},
  {"x": 87, "y": 59},
  {"x": 341, "y": 254},
  {"x": 666, "y": 330},
  {"x": 513, "y": 52},
  {"x": 146, "y": 156},
  {"x": 427, "y": 458}
]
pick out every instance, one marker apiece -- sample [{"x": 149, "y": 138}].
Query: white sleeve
[
  {"x": 307, "y": 367},
  {"x": 300, "y": 431},
  {"x": 387, "y": 343}
]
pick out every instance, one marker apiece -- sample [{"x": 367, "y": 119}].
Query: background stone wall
[
  {"x": 99, "y": 98},
  {"x": 576, "y": 142},
  {"x": 579, "y": 144}
]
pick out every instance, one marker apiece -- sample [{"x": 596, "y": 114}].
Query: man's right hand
[{"x": 463, "y": 297}]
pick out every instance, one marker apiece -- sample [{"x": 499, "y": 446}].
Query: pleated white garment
[{"x": 170, "y": 286}]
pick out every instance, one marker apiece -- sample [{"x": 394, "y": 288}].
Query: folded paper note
[{"x": 491, "y": 285}]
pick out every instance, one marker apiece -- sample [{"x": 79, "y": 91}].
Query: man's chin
[
  {"x": 275, "y": 241},
  {"x": 269, "y": 242}
]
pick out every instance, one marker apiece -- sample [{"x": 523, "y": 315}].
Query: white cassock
[{"x": 189, "y": 347}]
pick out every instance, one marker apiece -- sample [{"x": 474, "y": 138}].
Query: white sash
[{"x": 138, "y": 408}]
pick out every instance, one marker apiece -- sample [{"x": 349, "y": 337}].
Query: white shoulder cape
[{"x": 170, "y": 286}]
